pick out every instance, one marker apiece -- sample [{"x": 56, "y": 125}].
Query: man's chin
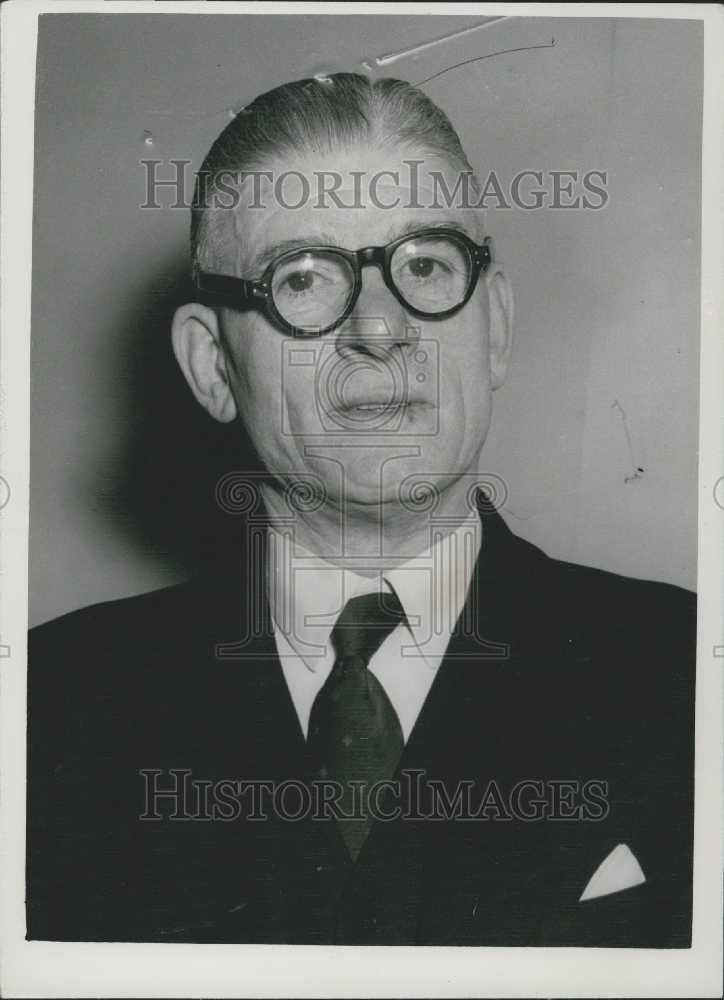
[{"x": 399, "y": 475}]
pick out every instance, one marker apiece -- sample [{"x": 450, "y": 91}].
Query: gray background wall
[{"x": 607, "y": 302}]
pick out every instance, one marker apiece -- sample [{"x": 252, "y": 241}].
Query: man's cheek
[{"x": 456, "y": 369}]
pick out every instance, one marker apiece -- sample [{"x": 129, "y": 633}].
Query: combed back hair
[{"x": 316, "y": 115}]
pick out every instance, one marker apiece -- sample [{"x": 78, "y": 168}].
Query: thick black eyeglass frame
[{"x": 241, "y": 294}]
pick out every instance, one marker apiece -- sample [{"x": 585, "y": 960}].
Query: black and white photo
[{"x": 366, "y": 585}]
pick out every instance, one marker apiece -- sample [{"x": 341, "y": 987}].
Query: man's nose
[{"x": 378, "y": 323}]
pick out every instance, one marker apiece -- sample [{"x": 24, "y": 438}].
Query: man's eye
[
  {"x": 299, "y": 281},
  {"x": 305, "y": 281},
  {"x": 422, "y": 268}
]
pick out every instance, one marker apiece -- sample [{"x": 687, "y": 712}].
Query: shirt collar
[{"x": 307, "y": 593}]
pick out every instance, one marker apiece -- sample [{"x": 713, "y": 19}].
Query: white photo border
[{"x": 54, "y": 969}]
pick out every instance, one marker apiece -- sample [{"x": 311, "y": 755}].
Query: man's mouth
[{"x": 379, "y": 407}]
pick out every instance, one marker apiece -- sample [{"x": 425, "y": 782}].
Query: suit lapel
[
  {"x": 478, "y": 656},
  {"x": 479, "y": 724},
  {"x": 241, "y": 648},
  {"x": 244, "y": 647}
]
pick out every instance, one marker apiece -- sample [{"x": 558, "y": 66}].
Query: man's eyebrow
[
  {"x": 417, "y": 225},
  {"x": 260, "y": 261},
  {"x": 267, "y": 255}
]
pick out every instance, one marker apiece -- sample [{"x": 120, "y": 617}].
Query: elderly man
[{"x": 383, "y": 719}]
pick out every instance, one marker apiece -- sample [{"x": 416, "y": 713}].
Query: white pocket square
[{"x": 619, "y": 870}]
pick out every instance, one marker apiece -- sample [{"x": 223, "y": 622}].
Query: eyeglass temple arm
[{"x": 225, "y": 286}]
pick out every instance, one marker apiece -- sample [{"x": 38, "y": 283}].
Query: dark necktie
[{"x": 354, "y": 732}]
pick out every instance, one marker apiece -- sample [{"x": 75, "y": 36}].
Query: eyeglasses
[{"x": 312, "y": 290}]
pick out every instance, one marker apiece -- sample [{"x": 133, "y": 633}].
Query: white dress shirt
[{"x": 307, "y": 595}]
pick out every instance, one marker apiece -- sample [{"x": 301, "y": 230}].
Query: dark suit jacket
[{"x": 556, "y": 672}]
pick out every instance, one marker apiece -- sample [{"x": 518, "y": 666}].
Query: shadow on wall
[{"x": 160, "y": 492}]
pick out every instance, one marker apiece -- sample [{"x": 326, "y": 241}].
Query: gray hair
[{"x": 317, "y": 115}]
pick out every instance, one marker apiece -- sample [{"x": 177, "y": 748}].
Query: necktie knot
[{"x": 364, "y": 624}]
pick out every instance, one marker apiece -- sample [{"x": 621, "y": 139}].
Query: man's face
[{"x": 387, "y": 395}]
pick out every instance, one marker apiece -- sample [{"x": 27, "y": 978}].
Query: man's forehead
[
  {"x": 258, "y": 245},
  {"x": 349, "y": 203},
  {"x": 266, "y": 247}
]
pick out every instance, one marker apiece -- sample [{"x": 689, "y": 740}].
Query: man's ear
[
  {"x": 500, "y": 296},
  {"x": 197, "y": 346}
]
